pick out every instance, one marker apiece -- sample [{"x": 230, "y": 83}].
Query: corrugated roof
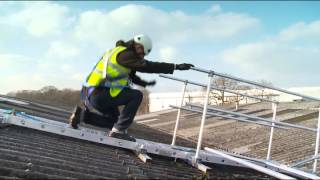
[
  {"x": 28, "y": 153},
  {"x": 33, "y": 151},
  {"x": 288, "y": 146}
]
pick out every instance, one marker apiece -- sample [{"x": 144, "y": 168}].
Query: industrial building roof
[
  {"x": 33, "y": 154},
  {"x": 289, "y": 145}
]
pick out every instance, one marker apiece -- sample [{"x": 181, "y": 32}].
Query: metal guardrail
[
  {"x": 216, "y": 88},
  {"x": 229, "y": 117},
  {"x": 250, "y": 164},
  {"x": 305, "y": 161},
  {"x": 257, "y": 118},
  {"x": 274, "y": 109},
  {"x": 254, "y": 83}
]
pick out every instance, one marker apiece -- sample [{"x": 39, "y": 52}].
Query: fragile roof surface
[
  {"x": 28, "y": 153},
  {"x": 288, "y": 147}
]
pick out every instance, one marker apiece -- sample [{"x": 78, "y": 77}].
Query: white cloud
[
  {"x": 166, "y": 27},
  {"x": 7, "y": 3},
  {"x": 23, "y": 81},
  {"x": 280, "y": 59},
  {"x": 67, "y": 68},
  {"x": 44, "y": 65},
  {"x": 62, "y": 50},
  {"x": 79, "y": 40},
  {"x": 21, "y": 72},
  {"x": 79, "y": 77},
  {"x": 216, "y": 8},
  {"x": 36, "y": 81},
  {"x": 13, "y": 60},
  {"x": 40, "y": 18},
  {"x": 168, "y": 53},
  {"x": 291, "y": 56},
  {"x": 301, "y": 30},
  {"x": 270, "y": 56},
  {"x": 17, "y": 72}
]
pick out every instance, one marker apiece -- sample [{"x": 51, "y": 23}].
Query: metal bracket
[
  {"x": 141, "y": 152},
  {"x": 2, "y": 118},
  {"x": 202, "y": 167},
  {"x": 211, "y": 73},
  {"x": 197, "y": 164},
  {"x": 3, "y": 121},
  {"x": 144, "y": 157}
]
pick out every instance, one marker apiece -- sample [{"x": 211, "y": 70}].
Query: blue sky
[
  {"x": 268, "y": 11},
  {"x": 58, "y": 42}
]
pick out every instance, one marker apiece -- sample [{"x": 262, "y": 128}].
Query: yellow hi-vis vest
[{"x": 108, "y": 73}]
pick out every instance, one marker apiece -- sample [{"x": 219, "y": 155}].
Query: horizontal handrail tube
[
  {"x": 304, "y": 161},
  {"x": 244, "y": 120},
  {"x": 257, "y": 118},
  {"x": 226, "y": 90},
  {"x": 255, "y": 83}
]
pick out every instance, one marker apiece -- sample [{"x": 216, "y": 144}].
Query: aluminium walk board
[{"x": 140, "y": 146}]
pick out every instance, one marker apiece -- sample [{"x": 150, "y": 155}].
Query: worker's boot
[
  {"x": 121, "y": 135},
  {"x": 74, "y": 119}
]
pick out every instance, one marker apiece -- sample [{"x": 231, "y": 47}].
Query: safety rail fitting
[
  {"x": 255, "y": 83},
  {"x": 273, "y": 123}
]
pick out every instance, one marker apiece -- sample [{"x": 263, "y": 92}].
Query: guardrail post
[
  {"x": 274, "y": 110},
  {"x": 237, "y": 104},
  {"x": 316, "y": 145},
  {"x": 205, "y": 108},
  {"x": 178, "y": 115}
]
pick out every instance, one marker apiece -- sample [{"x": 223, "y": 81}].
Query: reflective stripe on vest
[{"x": 108, "y": 73}]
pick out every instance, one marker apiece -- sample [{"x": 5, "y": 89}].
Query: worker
[{"x": 108, "y": 85}]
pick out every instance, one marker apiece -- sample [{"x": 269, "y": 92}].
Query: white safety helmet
[{"x": 145, "y": 41}]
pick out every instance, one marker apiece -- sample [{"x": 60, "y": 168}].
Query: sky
[{"x": 58, "y": 42}]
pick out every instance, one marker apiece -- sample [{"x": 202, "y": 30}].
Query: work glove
[
  {"x": 151, "y": 83},
  {"x": 183, "y": 66}
]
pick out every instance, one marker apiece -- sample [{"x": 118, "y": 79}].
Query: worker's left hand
[
  {"x": 151, "y": 83},
  {"x": 183, "y": 66}
]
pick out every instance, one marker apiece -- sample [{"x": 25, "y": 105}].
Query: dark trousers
[{"x": 130, "y": 98}]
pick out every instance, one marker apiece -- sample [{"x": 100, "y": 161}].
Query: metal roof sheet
[{"x": 28, "y": 153}]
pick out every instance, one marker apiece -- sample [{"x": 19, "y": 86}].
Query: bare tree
[
  {"x": 219, "y": 96},
  {"x": 261, "y": 90},
  {"x": 66, "y": 98},
  {"x": 51, "y": 95}
]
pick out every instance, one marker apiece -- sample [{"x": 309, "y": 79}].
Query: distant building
[{"x": 162, "y": 101}]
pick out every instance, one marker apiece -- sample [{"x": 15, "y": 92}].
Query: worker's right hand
[{"x": 183, "y": 66}]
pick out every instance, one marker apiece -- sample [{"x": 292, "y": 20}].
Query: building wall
[{"x": 162, "y": 101}]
